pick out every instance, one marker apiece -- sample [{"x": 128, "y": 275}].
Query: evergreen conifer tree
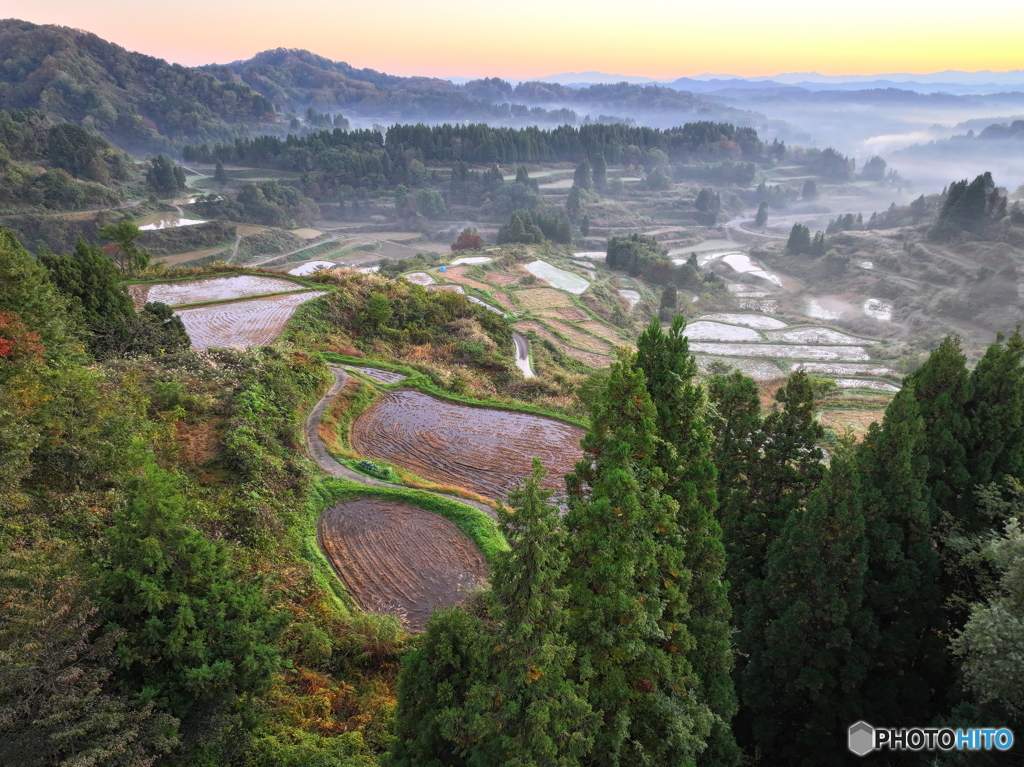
[
  {"x": 801, "y": 681},
  {"x": 684, "y": 455},
  {"x": 528, "y": 711},
  {"x": 220, "y": 176},
  {"x": 600, "y": 171},
  {"x": 902, "y": 588},
  {"x": 621, "y": 576},
  {"x": 432, "y": 688},
  {"x": 197, "y": 636}
]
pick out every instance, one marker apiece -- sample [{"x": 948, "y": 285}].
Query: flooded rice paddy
[
  {"x": 558, "y": 278},
  {"x": 211, "y": 289},
  {"x": 244, "y": 323}
]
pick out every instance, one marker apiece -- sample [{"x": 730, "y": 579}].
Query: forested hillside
[{"x": 138, "y": 101}]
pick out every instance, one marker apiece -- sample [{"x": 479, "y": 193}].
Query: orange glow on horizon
[{"x": 536, "y": 39}]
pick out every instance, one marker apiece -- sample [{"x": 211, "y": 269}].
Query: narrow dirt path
[{"x": 318, "y": 451}]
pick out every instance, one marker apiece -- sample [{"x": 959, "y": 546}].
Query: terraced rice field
[
  {"x": 587, "y": 358},
  {"x": 486, "y": 305},
  {"x": 858, "y": 420},
  {"x": 861, "y": 383},
  {"x": 542, "y": 298},
  {"x": 211, "y": 289},
  {"x": 458, "y": 274},
  {"x": 631, "y": 296},
  {"x": 399, "y": 559},
  {"x": 243, "y": 323},
  {"x": 794, "y": 351},
  {"x": 485, "y": 450},
  {"x": 312, "y": 266},
  {"x": 505, "y": 300},
  {"x": 559, "y": 278},
  {"x": 750, "y": 320},
  {"x": 602, "y": 331},
  {"x": 500, "y": 278},
  {"x": 577, "y": 338},
  {"x": 420, "y": 278},
  {"x": 453, "y": 288},
  {"x": 814, "y": 336},
  {"x": 759, "y": 370},
  {"x": 849, "y": 369},
  {"x": 569, "y": 313},
  {"x": 472, "y": 260},
  {"x": 378, "y": 375},
  {"x": 879, "y": 310},
  {"x": 717, "y": 331}
]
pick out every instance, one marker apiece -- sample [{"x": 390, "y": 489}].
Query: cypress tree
[
  {"x": 198, "y": 636},
  {"x": 220, "y": 176},
  {"x": 618, "y": 525},
  {"x": 528, "y": 711},
  {"x": 684, "y": 455},
  {"x": 801, "y": 682},
  {"x": 901, "y": 589},
  {"x": 432, "y": 689},
  {"x": 736, "y": 452}
]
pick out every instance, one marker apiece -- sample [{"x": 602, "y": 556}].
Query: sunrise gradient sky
[{"x": 533, "y": 38}]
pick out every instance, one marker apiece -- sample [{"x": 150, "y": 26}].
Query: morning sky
[{"x": 532, "y": 38}]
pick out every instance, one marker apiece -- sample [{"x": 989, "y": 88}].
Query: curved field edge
[
  {"x": 477, "y": 526},
  {"x": 421, "y": 382},
  {"x": 232, "y": 273}
]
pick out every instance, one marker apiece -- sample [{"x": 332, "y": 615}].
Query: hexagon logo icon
[{"x": 861, "y": 738}]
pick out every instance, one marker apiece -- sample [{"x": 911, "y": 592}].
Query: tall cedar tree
[
  {"x": 684, "y": 454},
  {"x": 625, "y": 565},
  {"x": 802, "y": 681},
  {"x": 528, "y": 712},
  {"x": 942, "y": 387},
  {"x": 198, "y": 635},
  {"x": 432, "y": 690},
  {"x": 902, "y": 587}
]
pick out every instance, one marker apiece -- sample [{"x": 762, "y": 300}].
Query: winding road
[{"x": 522, "y": 354}]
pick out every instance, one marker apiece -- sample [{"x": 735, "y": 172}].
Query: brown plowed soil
[
  {"x": 570, "y": 313},
  {"x": 458, "y": 274},
  {"x": 399, "y": 559},
  {"x": 503, "y": 298},
  {"x": 542, "y": 298},
  {"x": 485, "y": 450}
]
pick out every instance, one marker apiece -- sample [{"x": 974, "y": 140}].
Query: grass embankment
[
  {"x": 479, "y": 527},
  {"x": 421, "y": 382}
]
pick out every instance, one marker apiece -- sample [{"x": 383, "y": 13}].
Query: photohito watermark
[{"x": 863, "y": 739}]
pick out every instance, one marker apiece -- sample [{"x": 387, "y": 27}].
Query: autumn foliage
[{"x": 468, "y": 240}]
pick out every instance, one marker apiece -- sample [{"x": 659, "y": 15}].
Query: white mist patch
[
  {"x": 750, "y": 320},
  {"x": 815, "y": 336},
  {"x": 879, "y": 310},
  {"x": 633, "y": 296},
  {"x": 420, "y": 278},
  {"x": 558, "y": 278},
  {"x": 791, "y": 351},
  {"x": 716, "y": 331},
  {"x": 312, "y": 266},
  {"x": 472, "y": 260}
]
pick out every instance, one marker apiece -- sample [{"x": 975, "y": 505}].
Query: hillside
[{"x": 137, "y": 101}]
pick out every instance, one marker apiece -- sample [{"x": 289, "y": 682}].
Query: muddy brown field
[
  {"x": 399, "y": 559},
  {"x": 485, "y": 450}
]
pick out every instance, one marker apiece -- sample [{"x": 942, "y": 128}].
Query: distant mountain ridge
[{"x": 138, "y": 101}]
